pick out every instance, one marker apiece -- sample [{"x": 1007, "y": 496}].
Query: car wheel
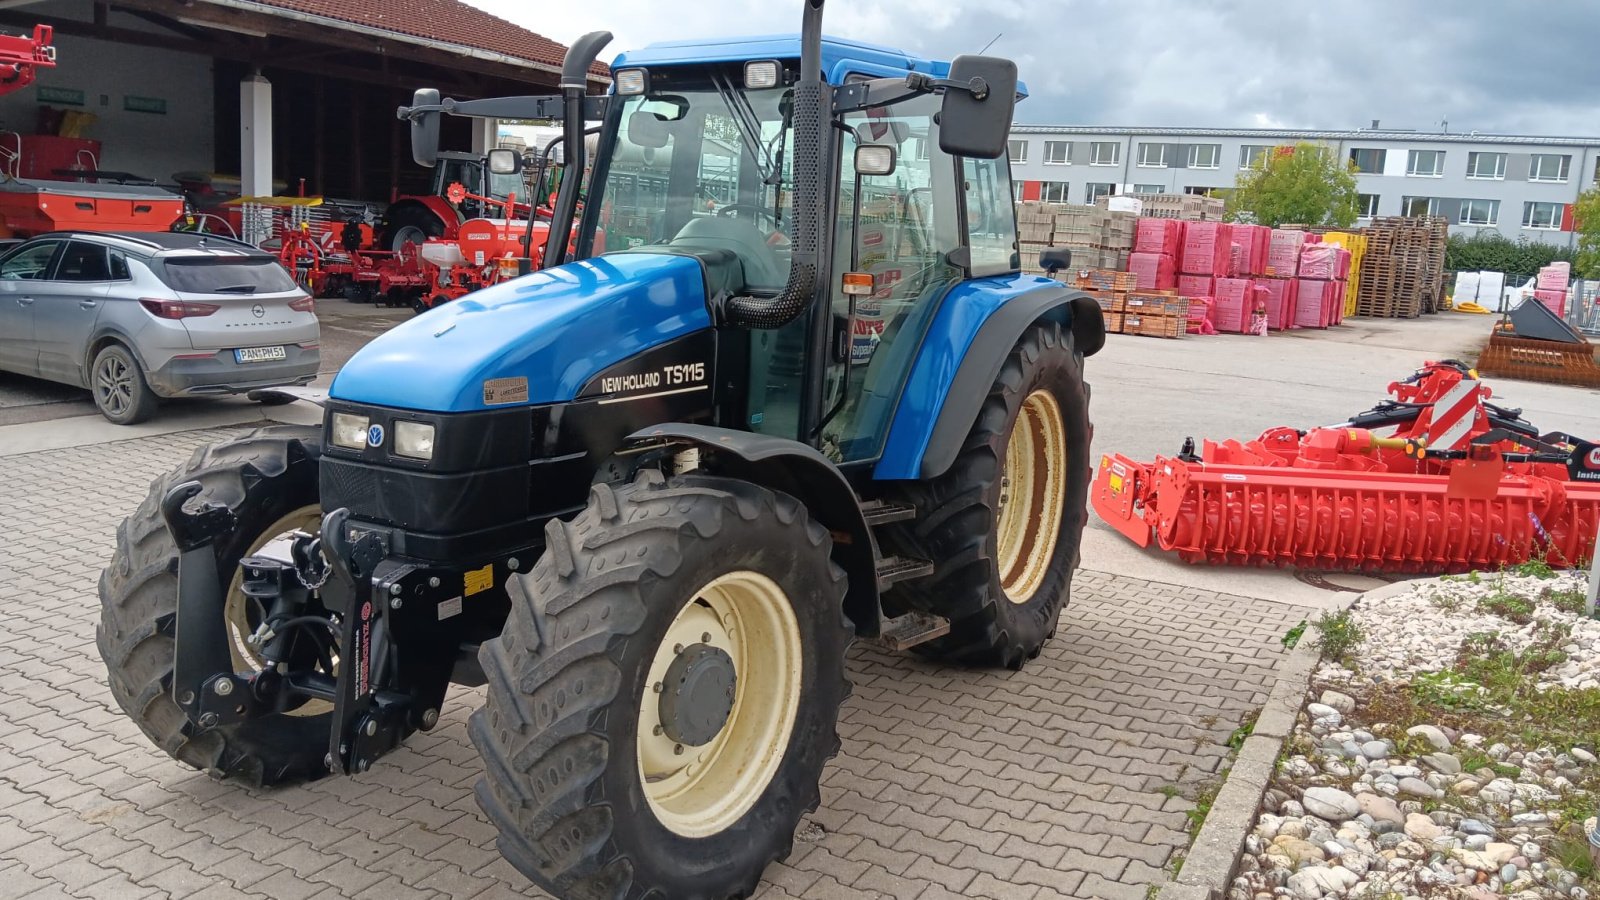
[{"x": 120, "y": 390}]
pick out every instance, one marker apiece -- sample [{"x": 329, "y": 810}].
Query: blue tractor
[{"x": 649, "y": 496}]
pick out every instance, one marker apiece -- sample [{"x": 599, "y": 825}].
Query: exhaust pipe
[
  {"x": 810, "y": 118},
  {"x": 574, "y": 86}
]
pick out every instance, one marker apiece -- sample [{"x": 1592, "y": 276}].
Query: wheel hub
[{"x": 697, "y": 695}]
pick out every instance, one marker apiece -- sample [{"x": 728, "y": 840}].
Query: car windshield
[
  {"x": 222, "y": 275},
  {"x": 702, "y": 162}
]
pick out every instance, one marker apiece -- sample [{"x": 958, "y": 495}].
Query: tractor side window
[
  {"x": 907, "y": 227},
  {"x": 991, "y": 216}
]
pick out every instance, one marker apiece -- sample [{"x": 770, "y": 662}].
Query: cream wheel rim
[
  {"x": 1032, "y": 492},
  {"x": 696, "y": 791},
  {"x": 236, "y": 607}
]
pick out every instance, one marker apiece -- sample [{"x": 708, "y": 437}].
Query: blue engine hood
[{"x": 556, "y": 328}]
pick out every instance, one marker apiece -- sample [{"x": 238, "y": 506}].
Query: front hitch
[{"x": 202, "y": 667}]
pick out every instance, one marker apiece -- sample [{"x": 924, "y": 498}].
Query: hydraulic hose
[{"x": 810, "y": 117}]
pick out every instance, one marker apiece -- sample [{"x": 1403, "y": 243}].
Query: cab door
[{"x": 908, "y": 227}]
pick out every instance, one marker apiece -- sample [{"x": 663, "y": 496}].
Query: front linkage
[{"x": 327, "y": 625}]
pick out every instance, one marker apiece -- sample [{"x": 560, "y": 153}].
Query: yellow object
[
  {"x": 1470, "y": 307},
  {"x": 478, "y": 580},
  {"x": 1357, "y": 245}
]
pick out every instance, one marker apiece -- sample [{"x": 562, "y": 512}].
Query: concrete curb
[{"x": 1209, "y": 868}]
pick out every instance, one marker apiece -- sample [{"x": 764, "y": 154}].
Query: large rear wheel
[
  {"x": 666, "y": 691},
  {"x": 1004, "y": 523}
]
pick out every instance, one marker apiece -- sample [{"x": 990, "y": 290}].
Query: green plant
[
  {"x": 1339, "y": 634},
  {"x": 1567, "y": 601},
  {"x": 1506, "y": 605},
  {"x": 1586, "y": 219},
  {"x": 1307, "y": 183},
  {"x": 1169, "y": 791},
  {"x": 1204, "y": 796},
  {"x": 1446, "y": 601},
  {"x": 1491, "y": 251},
  {"x": 1237, "y": 738},
  {"x": 1534, "y": 568},
  {"x": 1573, "y": 855},
  {"x": 1291, "y": 638}
]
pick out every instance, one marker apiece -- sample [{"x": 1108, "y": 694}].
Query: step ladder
[{"x": 905, "y": 631}]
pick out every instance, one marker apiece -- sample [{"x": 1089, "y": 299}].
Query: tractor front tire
[
  {"x": 1003, "y": 525},
  {"x": 665, "y": 693},
  {"x": 269, "y": 480}
]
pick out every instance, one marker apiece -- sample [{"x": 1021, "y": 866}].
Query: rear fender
[
  {"x": 967, "y": 343},
  {"x": 800, "y": 471}
]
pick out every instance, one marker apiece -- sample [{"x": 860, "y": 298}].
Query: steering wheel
[{"x": 751, "y": 207}]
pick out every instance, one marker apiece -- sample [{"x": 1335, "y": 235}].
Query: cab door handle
[
  {"x": 24, "y": 301},
  {"x": 87, "y": 304}
]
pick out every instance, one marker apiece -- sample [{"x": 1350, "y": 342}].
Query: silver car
[{"x": 136, "y": 317}]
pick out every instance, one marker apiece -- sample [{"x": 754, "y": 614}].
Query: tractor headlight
[
  {"x": 413, "y": 439},
  {"x": 760, "y": 74},
  {"x": 631, "y": 81},
  {"x": 349, "y": 431}
]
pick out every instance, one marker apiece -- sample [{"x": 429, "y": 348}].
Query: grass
[
  {"x": 1508, "y": 605},
  {"x": 1533, "y": 568},
  {"x": 1338, "y": 635},
  {"x": 1291, "y": 638},
  {"x": 1573, "y": 854},
  {"x": 1237, "y": 738},
  {"x": 1568, "y": 601},
  {"x": 1205, "y": 794}
]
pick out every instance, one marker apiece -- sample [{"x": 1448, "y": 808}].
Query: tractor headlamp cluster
[
  {"x": 761, "y": 74},
  {"x": 631, "y": 82},
  {"x": 349, "y": 431},
  {"x": 413, "y": 440}
]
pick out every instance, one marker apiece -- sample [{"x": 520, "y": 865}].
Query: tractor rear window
[{"x": 210, "y": 275}]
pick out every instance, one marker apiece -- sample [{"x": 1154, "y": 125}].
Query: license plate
[{"x": 260, "y": 354}]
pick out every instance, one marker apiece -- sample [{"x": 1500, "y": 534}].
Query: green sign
[
  {"x": 144, "y": 104},
  {"x": 60, "y": 95}
]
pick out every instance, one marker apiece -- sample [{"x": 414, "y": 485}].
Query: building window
[
  {"x": 1053, "y": 192},
  {"x": 1486, "y": 165},
  {"x": 1149, "y": 189},
  {"x": 1017, "y": 187},
  {"x": 1018, "y": 150},
  {"x": 1058, "y": 153},
  {"x": 1548, "y": 167},
  {"x": 1195, "y": 190},
  {"x": 1426, "y": 163},
  {"x": 1152, "y": 156},
  {"x": 1205, "y": 156},
  {"x": 1480, "y": 212},
  {"x": 1419, "y": 206},
  {"x": 1367, "y": 205},
  {"x": 1105, "y": 153},
  {"x": 1093, "y": 191},
  {"x": 1543, "y": 215},
  {"x": 1368, "y": 161},
  {"x": 1253, "y": 156}
]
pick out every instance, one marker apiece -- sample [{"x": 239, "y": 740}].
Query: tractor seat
[{"x": 762, "y": 269}]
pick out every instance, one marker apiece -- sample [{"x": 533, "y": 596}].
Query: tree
[
  {"x": 1490, "y": 251},
  {"x": 1586, "y": 219},
  {"x": 1305, "y": 184}
]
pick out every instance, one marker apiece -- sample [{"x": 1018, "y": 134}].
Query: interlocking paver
[{"x": 950, "y": 783}]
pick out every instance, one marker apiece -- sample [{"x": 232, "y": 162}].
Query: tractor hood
[{"x": 533, "y": 340}]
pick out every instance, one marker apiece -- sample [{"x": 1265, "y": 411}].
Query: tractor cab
[{"x": 472, "y": 172}]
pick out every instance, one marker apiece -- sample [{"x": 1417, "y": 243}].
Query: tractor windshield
[{"x": 701, "y": 162}]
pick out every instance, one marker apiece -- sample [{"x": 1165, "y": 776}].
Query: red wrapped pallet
[
  {"x": 1156, "y": 271},
  {"x": 1283, "y": 253},
  {"x": 1319, "y": 261},
  {"x": 1280, "y": 299},
  {"x": 1207, "y": 247},
  {"x": 1313, "y": 297},
  {"x": 1555, "y": 277},
  {"x": 1236, "y": 260},
  {"x": 1195, "y": 285},
  {"x": 1555, "y": 301},
  {"x": 1232, "y": 304},
  {"x": 1159, "y": 236},
  {"x": 1258, "y": 254},
  {"x": 1201, "y": 315}
]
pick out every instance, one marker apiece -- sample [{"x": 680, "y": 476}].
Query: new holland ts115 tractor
[{"x": 649, "y": 497}]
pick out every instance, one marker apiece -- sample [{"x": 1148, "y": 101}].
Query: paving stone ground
[{"x": 951, "y": 783}]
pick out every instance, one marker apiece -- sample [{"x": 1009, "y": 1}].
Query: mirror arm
[{"x": 977, "y": 87}]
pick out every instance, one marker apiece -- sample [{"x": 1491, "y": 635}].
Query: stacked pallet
[
  {"x": 1402, "y": 275},
  {"x": 1129, "y": 310},
  {"x": 1187, "y": 207},
  {"x": 1097, "y": 238}
]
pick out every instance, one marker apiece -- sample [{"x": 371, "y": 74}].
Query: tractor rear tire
[
  {"x": 591, "y": 800},
  {"x": 411, "y": 221},
  {"x": 1001, "y": 579},
  {"x": 265, "y": 478}
]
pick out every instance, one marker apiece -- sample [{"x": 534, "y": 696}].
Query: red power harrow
[
  {"x": 21, "y": 57},
  {"x": 1458, "y": 483}
]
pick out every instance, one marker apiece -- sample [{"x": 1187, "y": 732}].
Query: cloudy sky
[{"x": 1484, "y": 65}]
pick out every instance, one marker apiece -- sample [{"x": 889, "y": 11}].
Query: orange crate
[
  {"x": 1106, "y": 280},
  {"x": 1114, "y": 322},
  {"x": 1154, "y": 325},
  {"x": 1146, "y": 303}
]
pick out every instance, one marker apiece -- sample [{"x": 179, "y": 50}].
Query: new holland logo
[{"x": 375, "y": 436}]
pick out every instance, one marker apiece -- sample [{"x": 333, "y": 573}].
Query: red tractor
[{"x": 436, "y": 215}]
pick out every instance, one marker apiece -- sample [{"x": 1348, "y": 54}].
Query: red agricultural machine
[
  {"x": 1457, "y": 483},
  {"x": 21, "y": 57}
]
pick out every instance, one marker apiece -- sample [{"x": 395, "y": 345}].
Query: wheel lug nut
[
  {"x": 705, "y": 637},
  {"x": 677, "y": 749},
  {"x": 677, "y": 648},
  {"x": 657, "y": 731},
  {"x": 656, "y": 687}
]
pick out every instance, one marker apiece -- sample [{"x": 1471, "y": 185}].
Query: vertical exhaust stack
[
  {"x": 574, "y": 86},
  {"x": 811, "y": 114}
]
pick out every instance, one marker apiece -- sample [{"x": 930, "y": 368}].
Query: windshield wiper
[
  {"x": 235, "y": 289},
  {"x": 744, "y": 119}
]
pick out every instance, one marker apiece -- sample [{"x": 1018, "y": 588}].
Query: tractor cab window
[
  {"x": 908, "y": 226},
  {"x": 991, "y": 216},
  {"x": 702, "y": 165}
]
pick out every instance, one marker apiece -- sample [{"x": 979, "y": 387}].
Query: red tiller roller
[{"x": 1460, "y": 483}]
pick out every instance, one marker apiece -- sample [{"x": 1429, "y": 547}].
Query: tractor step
[
  {"x": 882, "y": 512},
  {"x": 911, "y": 629},
  {"x": 900, "y": 568}
]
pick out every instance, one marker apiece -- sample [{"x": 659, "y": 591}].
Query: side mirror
[
  {"x": 1054, "y": 259},
  {"x": 874, "y": 160},
  {"x": 976, "y": 121},
  {"x": 504, "y": 161},
  {"x": 425, "y": 128},
  {"x": 645, "y": 129}
]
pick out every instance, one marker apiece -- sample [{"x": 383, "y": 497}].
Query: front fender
[
  {"x": 800, "y": 471},
  {"x": 976, "y": 328}
]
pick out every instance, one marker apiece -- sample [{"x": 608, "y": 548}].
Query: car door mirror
[{"x": 975, "y": 120}]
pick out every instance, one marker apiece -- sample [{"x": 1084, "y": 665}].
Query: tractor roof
[{"x": 840, "y": 56}]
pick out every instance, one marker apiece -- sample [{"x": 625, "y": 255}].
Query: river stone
[
  {"x": 1417, "y": 788},
  {"x": 1431, "y": 734},
  {"x": 1344, "y": 703},
  {"x": 1297, "y": 850},
  {"x": 1318, "y": 882},
  {"x": 1443, "y": 762},
  {"x": 1381, "y": 808},
  {"x": 1330, "y": 803},
  {"x": 1421, "y": 828},
  {"x": 1375, "y": 750}
]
